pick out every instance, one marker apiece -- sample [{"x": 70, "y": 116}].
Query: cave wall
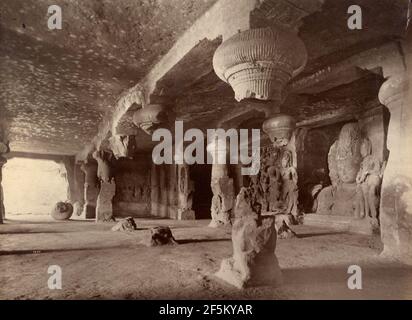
[
  {"x": 164, "y": 190},
  {"x": 132, "y": 178}
]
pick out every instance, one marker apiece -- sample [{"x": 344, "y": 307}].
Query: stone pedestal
[{"x": 254, "y": 261}]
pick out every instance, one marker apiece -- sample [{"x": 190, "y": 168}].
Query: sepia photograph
[{"x": 205, "y": 154}]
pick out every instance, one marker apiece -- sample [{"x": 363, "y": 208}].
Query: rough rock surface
[
  {"x": 104, "y": 206},
  {"x": 62, "y": 211},
  {"x": 254, "y": 241},
  {"x": 160, "y": 236},
  {"x": 127, "y": 224}
]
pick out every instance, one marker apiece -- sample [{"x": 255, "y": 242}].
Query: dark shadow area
[
  {"x": 201, "y": 175},
  {"x": 309, "y": 235},
  {"x": 186, "y": 241},
  {"x": 33, "y": 251}
]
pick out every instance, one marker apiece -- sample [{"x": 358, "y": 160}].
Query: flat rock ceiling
[{"x": 56, "y": 85}]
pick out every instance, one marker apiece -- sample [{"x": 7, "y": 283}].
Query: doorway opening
[
  {"x": 32, "y": 186},
  {"x": 201, "y": 175}
]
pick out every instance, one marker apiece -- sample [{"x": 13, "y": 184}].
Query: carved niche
[{"x": 355, "y": 173}]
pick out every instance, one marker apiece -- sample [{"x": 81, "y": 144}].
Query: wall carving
[
  {"x": 355, "y": 173},
  {"x": 275, "y": 187}
]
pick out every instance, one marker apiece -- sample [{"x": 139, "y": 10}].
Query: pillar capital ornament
[
  {"x": 279, "y": 128},
  {"x": 151, "y": 117},
  {"x": 257, "y": 63}
]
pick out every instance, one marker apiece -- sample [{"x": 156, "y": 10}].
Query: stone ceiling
[{"x": 56, "y": 86}]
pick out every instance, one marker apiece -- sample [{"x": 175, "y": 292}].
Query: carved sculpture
[
  {"x": 369, "y": 179},
  {"x": 289, "y": 184},
  {"x": 275, "y": 186},
  {"x": 355, "y": 174},
  {"x": 254, "y": 241}
]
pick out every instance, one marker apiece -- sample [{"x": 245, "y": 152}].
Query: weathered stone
[
  {"x": 91, "y": 189},
  {"x": 185, "y": 194},
  {"x": 62, "y": 211},
  {"x": 279, "y": 128},
  {"x": 396, "y": 195},
  {"x": 254, "y": 241},
  {"x": 123, "y": 146},
  {"x": 127, "y": 224},
  {"x": 104, "y": 204},
  {"x": 283, "y": 223},
  {"x": 222, "y": 201},
  {"x": 160, "y": 236}
]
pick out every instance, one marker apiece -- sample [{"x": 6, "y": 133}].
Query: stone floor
[{"x": 98, "y": 263}]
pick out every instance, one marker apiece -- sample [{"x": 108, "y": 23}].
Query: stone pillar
[
  {"x": 104, "y": 203},
  {"x": 2, "y": 209},
  {"x": 91, "y": 189},
  {"x": 222, "y": 186},
  {"x": 396, "y": 194},
  {"x": 185, "y": 194}
]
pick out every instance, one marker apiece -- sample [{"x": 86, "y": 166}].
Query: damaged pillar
[
  {"x": 222, "y": 186},
  {"x": 396, "y": 194},
  {"x": 185, "y": 192},
  {"x": 91, "y": 189},
  {"x": 104, "y": 203}
]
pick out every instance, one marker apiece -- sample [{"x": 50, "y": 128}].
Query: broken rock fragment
[
  {"x": 128, "y": 224},
  {"x": 160, "y": 236}
]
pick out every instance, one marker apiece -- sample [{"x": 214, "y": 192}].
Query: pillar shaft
[
  {"x": 222, "y": 187},
  {"x": 396, "y": 195},
  {"x": 91, "y": 189},
  {"x": 2, "y": 209}
]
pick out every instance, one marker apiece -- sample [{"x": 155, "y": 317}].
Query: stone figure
[
  {"x": 369, "y": 180},
  {"x": 289, "y": 183},
  {"x": 274, "y": 187},
  {"x": 343, "y": 197},
  {"x": 254, "y": 241}
]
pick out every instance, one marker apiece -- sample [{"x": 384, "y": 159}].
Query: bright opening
[{"x": 33, "y": 186}]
